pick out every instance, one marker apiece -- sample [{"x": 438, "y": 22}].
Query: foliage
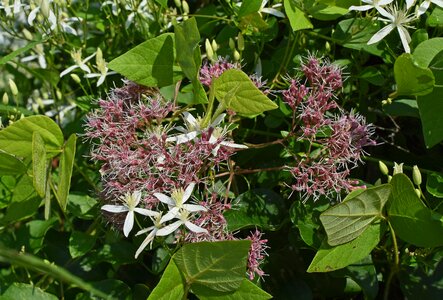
[{"x": 249, "y": 143}]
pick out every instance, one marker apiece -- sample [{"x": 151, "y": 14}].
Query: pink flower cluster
[{"x": 340, "y": 136}]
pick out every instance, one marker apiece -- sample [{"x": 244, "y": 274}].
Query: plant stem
[
  {"x": 395, "y": 267},
  {"x": 29, "y": 261}
]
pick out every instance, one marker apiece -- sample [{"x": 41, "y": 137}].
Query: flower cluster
[
  {"x": 340, "y": 137},
  {"x": 396, "y": 17},
  {"x": 151, "y": 167}
]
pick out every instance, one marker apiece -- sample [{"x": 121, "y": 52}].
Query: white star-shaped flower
[
  {"x": 152, "y": 234},
  {"x": 45, "y": 9},
  {"x": 101, "y": 67},
  {"x": 425, "y": 5},
  {"x": 130, "y": 202},
  {"x": 370, "y": 4},
  {"x": 183, "y": 216},
  {"x": 398, "y": 19},
  {"x": 220, "y": 133},
  {"x": 79, "y": 63}
]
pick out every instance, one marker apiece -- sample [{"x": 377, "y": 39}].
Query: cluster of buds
[{"x": 340, "y": 136}]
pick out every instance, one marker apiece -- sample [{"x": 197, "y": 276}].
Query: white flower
[
  {"x": 177, "y": 202},
  {"x": 40, "y": 56},
  {"x": 398, "y": 18},
  {"x": 45, "y": 9},
  {"x": 15, "y": 7},
  {"x": 79, "y": 63},
  {"x": 130, "y": 202},
  {"x": 183, "y": 216},
  {"x": 220, "y": 133},
  {"x": 377, "y": 4},
  {"x": 193, "y": 128},
  {"x": 425, "y": 5},
  {"x": 409, "y": 3},
  {"x": 101, "y": 66},
  {"x": 153, "y": 233},
  {"x": 271, "y": 10},
  {"x": 142, "y": 10}
]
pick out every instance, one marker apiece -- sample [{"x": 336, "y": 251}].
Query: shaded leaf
[
  {"x": 246, "y": 291},
  {"x": 434, "y": 185},
  {"x": 430, "y": 108},
  {"x": 350, "y": 218},
  {"x": 297, "y": 18},
  {"x": 19, "y": 51},
  {"x": 10, "y": 165},
  {"x": 248, "y": 7},
  {"x": 39, "y": 164},
  {"x": 66, "y": 167},
  {"x": 171, "y": 285},
  {"x": 80, "y": 243},
  {"x": 20, "y": 210},
  {"x": 403, "y": 108},
  {"x": 81, "y": 206},
  {"x": 330, "y": 258},
  {"x": 412, "y": 79},
  {"x": 26, "y": 291}
]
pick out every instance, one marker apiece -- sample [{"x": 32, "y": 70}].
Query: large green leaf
[
  {"x": 10, "y": 165},
  {"x": 151, "y": 63},
  {"x": 256, "y": 208},
  {"x": 31, "y": 236},
  {"x": 246, "y": 291},
  {"x": 171, "y": 285},
  {"x": 66, "y": 167},
  {"x": 434, "y": 185},
  {"x": 21, "y": 210},
  {"x": 26, "y": 291},
  {"x": 412, "y": 221},
  {"x": 80, "y": 243},
  {"x": 330, "y": 258},
  {"x": 17, "y": 138},
  {"x": 187, "y": 39},
  {"x": 216, "y": 266},
  {"x": 327, "y": 10},
  {"x": 412, "y": 79},
  {"x": 426, "y": 51},
  {"x": 403, "y": 108},
  {"x": 248, "y": 7},
  {"x": 430, "y": 108},
  {"x": 236, "y": 91},
  {"x": 297, "y": 18},
  {"x": 349, "y": 219},
  {"x": 39, "y": 164}
]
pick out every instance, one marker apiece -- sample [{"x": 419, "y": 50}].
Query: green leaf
[
  {"x": 297, "y": 18},
  {"x": 434, "y": 185},
  {"x": 326, "y": 10},
  {"x": 412, "y": 221},
  {"x": 372, "y": 75},
  {"x": 333, "y": 258},
  {"x": 32, "y": 235},
  {"x": 402, "y": 108},
  {"x": 187, "y": 39},
  {"x": 80, "y": 243},
  {"x": 17, "y": 138},
  {"x": 248, "y": 7},
  {"x": 171, "y": 285},
  {"x": 425, "y": 52},
  {"x": 10, "y": 165},
  {"x": 436, "y": 18},
  {"x": 256, "y": 208},
  {"x": 26, "y": 291},
  {"x": 246, "y": 291},
  {"x": 81, "y": 206},
  {"x": 430, "y": 108},
  {"x": 348, "y": 219},
  {"x": 213, "y": 266},
  {"x": 39, "y": 164},
  {"x": 151, "y": 63},
  {"x": 14, "y": 109},
  {"x": 24, "y": 190},
  {"x": 66, "y": 167},
  {"x": 17, "y": 52},
  {"x": 21, "y": 210},
  {"x": 236, "y": 91},
  {"x": 163, "y": 3},
  {"x": 412, "y": 79}
]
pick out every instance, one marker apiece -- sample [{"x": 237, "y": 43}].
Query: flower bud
[
  {"x": 389, "y": 178},
  {"x": 417, "y": 191},
  {"x": 58, "y": 94},
  {"x": 383, "y": 168},
  {"x": 398, "y": 168},
  {"x": 236, "y": 55},
  {"x": 27, "y": 34},
  {"x": 178, "y": 3},
  {"x": 44, "y": 8},
  {"x": 13, "y": 87},
  {"x": 240, "y": 42},
  {"x": 416, "y": 175},
  {"x": 231, "y": 44},
  {"x": 75, "y": 78},
  {"x": 185, "y": 7},
  {"x": 209, "y": 51},
  {"x": 5, "y": 99},
  {"x": 214, "y": 45}
]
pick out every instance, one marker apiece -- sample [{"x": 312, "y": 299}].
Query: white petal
[
  {"x": 115, "y": 208},
  {"x": 194, "y": 207},
  {"x": 68, "y": 70},
  {"x": 42, "y": 61},
  {"x": 405, "y": 38},
  {"x": 32, "y": 15},
  {"x": 190, "y": 119},
  {"x": 215, "y": 150},
  {"x": 145, "y": 243},
  {"x": 423, "y": 8},
  {"x": 144, "y": 230},
  {"x": 129, "y": 223},
  {"x": 183, "y": 138},
  {"x": 146, "y": 212},
  {"x": 438, "y": 2},
  {"x": 173, "y": 213},
  {"x": 101, "y": 80},
  {"x": 409, "y": 3},
  {"x": 169, "y": 229},
  {"x": 233, "y": 145},
  {"x": 89, "y": 57},
  {"x": 165, "y": 199},
  {"x": 273, "y": 11},
  {"x": 381, "y": 34},
  {"x": 188, "y": 192},
  {"x": 129, "y": 20},
  {"x": 17, "y": 6},
  {"x": 52, "y": 20},
  {"x": 92, "y": 75},
  {"x": 218, "y": 120},
  {"x": 137, "y": 195},
  {"x": 384, "y": 13},
  {"x": 195, "y": 228},
  {"x": 85, "y": 68},
  {"x": 361, "y": 8},
  {"x": 181, "y": 129},
  {"x": 384, "y": 2},
  {"x": 68, "y": 29}
]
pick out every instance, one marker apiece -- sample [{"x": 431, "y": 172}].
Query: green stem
[
  {"x": 395, "y": 267},
  {"x": 29, "y": 261},
  {"x": 208, "y": 115}
]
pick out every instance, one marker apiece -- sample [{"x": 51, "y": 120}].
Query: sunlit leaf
[
  {"x": 39, "y": 164},
  {"x": 171, "y": 285},
  {"x": 66, "y": 167},
  {"x": 10, "y": 165}
]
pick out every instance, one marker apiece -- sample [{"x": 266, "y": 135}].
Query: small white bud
[
  {"x": 75, "y": 78},
  {"x": 236, "y": 55},
  {"x": 383, "y": 168},
  {"x": 13, "y": 87},
  {"x": 178, "y": 3},
  {"x": 27, "y": 34},
  {"x": 209, "y": 51},
  {"x": 214, "y": 45},
  {"x": 240, "y": 42},
  {"x": 231, "y": 44},
  {"x": 418, "y": 193},
  {"x": 416, "y": 175},
  {"x": 44, "y": 8},
  {"x": 398, "y": 168},
  {"x": 5, "y": 99},
  {"x": 185, "y": 7}
]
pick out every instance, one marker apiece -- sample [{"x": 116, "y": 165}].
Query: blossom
[
  {"x": 398, "y": 18},
  {"x": 79, "y": 63},
  {"x": 425, "y": 5},
  {"x": 257, "y": 254},
  {"x": 152, "y": 234},
  {"x": 217, "y": 137},
  {"x": 176, "y": 202},
  {"x": 15, "y": 7},
  {"x": 40, "y": 56},
  {"x": 184, "y": 219},
  {"x": 377, "y": 4},
  {"x": 101, "y": 67},
  {"x": 270, "y": 10},
  {"x": 130, "y": 202},
  {"x": 45, "y": 9}
]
